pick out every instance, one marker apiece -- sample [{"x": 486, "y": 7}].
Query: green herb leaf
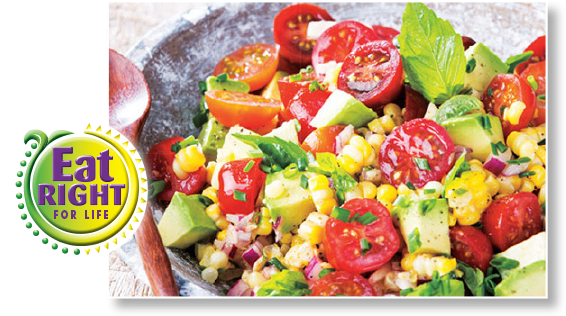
[
  {"x": 274, "y": 261},
  {"x": 410, "y": 186},
  {"x": 519, "y": 161},
  {"x": 206, "y": 201},
  {"x": 414, "y": 241},
  {"x": 184, "y": 143},
  {"x": 304, "y": 182},
  {"x": 285, "y": 283},
  {"x": 341, "y": 214},
  {"x": 503, "y": 265},
  {"x": 456, "y": 107},
  {"x": 460, "y": 166},
  {"x": 366, "y": 219},
  {"x": 223, "y": 77},
  {"x": 324, "y": 272},
  {"x": 514, "y": 61},
  {"x": 277, "y": 153},
  {"x": 473, "y": 278},
  {"x": 471, "y": 65},
  {"x": 490, "y": 92},
  {"x": 527, "y": 174},
  {"x": 432, "y": 54},
  {"x": 365, "y": 246},
  {"x": 342, "y": 181},
  {"x": 155, "y": 187},
  {"x": 427, "y": 206},
  {"x": 239, "y": 195},
  {"x": 541, "y": 97},
  {"x": 421, "y": 163}
]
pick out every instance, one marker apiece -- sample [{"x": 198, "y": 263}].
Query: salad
[{"x": 348, "y": 159}]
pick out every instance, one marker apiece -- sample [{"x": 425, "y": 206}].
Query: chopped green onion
[
  {"x": 532, "y": 82},
  {"x": 542, "y": 142},
  {"x": 410, "y": 186},
  {"x": 471, "y": 65},
  {"x": 304, "y": 182},
  {"x": 256, "y": 218},
  {"x": 276, "y": 168},
  {"x": 313, "y": 86},
  {"x": 256, "y": 153},
  {"x": 494, "y": 149},
  {"x": 301, "y": 285},
  {"x": 541, "y": 97},
  {"x": 307, "y": 70},
  {"x": 295, "y": 78},
  {"x": 206, "y": 201},
  {"x": 264, "y": 168},
  {"x": 202, "y": 87},
  {"x": 249, "y": 166},
  {"x": 291, "y": 171},
  {"x": 155, "y": 187},
  {"x": 184, "y": 143},
  {"x": 460, "y": 191},
  {"x": 223, "y": 77},
  {"x": 324, "y": 272},
  {"x": 427, "y": 206},
  {"x": 519, "y": 161},
  {"x": 365, "y": 246},
  {"x": 527, "y": 174},
  {"x": 502, "y": 110},
  {"x": 367, "y": 218},
  {"x": 341, "y": 214},
  {"x": 239, "y": 195},
  {"x": 297, "y": 125},
  {"x": 421, "y": 163},
  {"x": 429, "y": 191},
  {"x": 274, "y": 261},
  {"x": 414, "y": 241},
  {"x": 490, "y": 92},
  {"x": 485, "y": 123},
  {"x": 501, "y": 147}
]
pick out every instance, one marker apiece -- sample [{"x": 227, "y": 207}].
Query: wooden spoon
[{"x": 129, "y": 105}]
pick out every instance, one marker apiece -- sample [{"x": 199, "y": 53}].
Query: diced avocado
[
  {"x": 212, "y": 83},
  {"x": 294, "y": 205},
  {"x": 185, "y": 222},
  {"x": 456, "y": 288},
  {"x": 287, "y": 131},
  {"x": 484, "y": 66},
  {"x": 527, "y": 281},
  {"x": 427, "y": 221},
  {"x": 212, "y": 137},
  {"x": 343, "y": 109},
  {"x": 527, "y": 251},
  {"x": 271, "y": 91},
  {"x": 475, "y": 131}
]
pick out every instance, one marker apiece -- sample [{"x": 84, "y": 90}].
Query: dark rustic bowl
[{"x": 184, "y": 50}]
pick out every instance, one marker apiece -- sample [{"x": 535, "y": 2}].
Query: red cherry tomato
[
  {"x": 304, "y": 107},
  {"x": 247, "y": 110},
  {"x": 288, "y": 89},
  {"x": 538, "y": 47},
  {"x": 342, "y": 283},
  {"x": 343, "y": 241},
  {"x": 290, "y": 31},
  {"x": 420, "y": 142},
  {"x": 385, "y": 33},
  {"x": 238, "y": 188},
  {"x": 509, "y": 220},
  {"x": 538, "y": 71},
  {"x": 372, "y": 73},
  {"x": 322, "y": 139},
  {"x": 471, "y": 246},
  {"x": 159, "y": 161},
  {"x": 467, "y": 42},
  {"x": 415, "y": 104},
  {"x": 504, "y": 90},
  {"x": 253, "y": 64},
  {"x": 337, "y": 41}
]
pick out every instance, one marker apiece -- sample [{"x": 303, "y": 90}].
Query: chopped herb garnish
[
  {"x": 301, "y": 285},
  {"x": 532, "y": 82},
  {"x": 155, "y": 187},
  {"x": 527, "y": 174},
  {"x": 307, "y": 70},
  {"x": 249, "y": 166},
  {"x": 202, "y": 87},
  {"x": 501, "y": 147},
  {"x": 274, "y": 261},
  {"x": 341, "y": 214},
  {"x": 502, "y": 110},
  {"x": 324, "y": 272},
  {"x": 541, "y": 97},
  {"x": 297, "y": 125},
  {"x": 264, "y": 168},
  {"x": 429, "y": 191},
  {"x": 206, "y": 201},
  {"x": 471, "y": 65},
  {"x": 313, "y": 86},
  {"x": 421, "y": 163},
  {"x": 490, "y": 92},
  {"x": 295, "y": 78},
  {"x": 365, "y": 246},
  {"x": 184, "y": 143},
  {"x": 223, "y": 77},
  {"x": 291, "y": 171},
  {"x": 239, "y": 195},
  {"x": 427, "y": 206},
  {"x": 256, "y": 218},
  {"x": 519, "y": 161},
  {"x": 494, "y": 149},
  {"x": 255, "y": 153},
  {"x": 414, "y": 241},
  {"x": 406, "y": 291},
  {"x": 304, "y": 182},
  {"x": 367, "y": 218},
  {"x": 410, "y": 186},
  {"x": 485, "y": 123},
  {"x": 460, "y": 191}
]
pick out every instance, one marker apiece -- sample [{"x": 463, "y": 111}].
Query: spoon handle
[{"x": 155, "y": 260}]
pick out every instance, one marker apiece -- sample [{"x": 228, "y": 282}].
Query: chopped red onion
[
  {"x": 219, "y": 244},
  {"x": 343, "y": 138},
  {"x": 459, "y": 149},
  {"x": 494, "y": 164},
  {"x": 240, "y": 289},
  {"x": 514, "y": 169},
  {"x": 313, "y": 269},
  {"x": 252, "y": 254},
  {"x": 277, "y": 222}
]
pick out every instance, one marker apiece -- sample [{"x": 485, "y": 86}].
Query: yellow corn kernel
[
  {"x": 190, "y": 158},
  {"x": 492, "y": 184},
  {"x": 202, "y": 249},
  {"x": 348, "y": 164},
  {"x": 375, "y": 126},
  {"x": 387, "y": 123},
  {"x": 179, "y": 172},
  {"x": 541, "y": 154},
  {"x": 369, "y": 189},
  {"x": 513, "y": 113},
  {"x": 213, "y": 211},
  {"x": 521, "y": 144},
  {"x": 312, "y": 228},
  {"x": 542, "y": 194},
  {"x": 221, "y": 235},
  {"x": 325, "y": 206},
  {"x": 402, "y": 189},
  {"x": 299, "y": 256},
  {"x": 296, "y": 240},
  {"x": 476, "y": 165},
  {"x": 209, "y": 274},
  {"x": 467, "y": 215},
  {"x": 286, "y": 238},
  {"x": 318, "y": 182},
  {"x": 210, "y": 167},
  {"x": 431, "y": 185},
  {"x": 394, "y": 111},
  {"x": 222, "y": 223},
  {"x": 539, "y": 178},
  {"x": 527, "y": 186},
  {"x": 211, "y": 193},
  {"x": 386, "y": 203},
  {"x": 323, "y": 194},
  {"x": 219, "y": 260},
  {"x": 205, "y": 260},
  {"x": 272, "y": 251},
  {"x": 537, "y": 133},
  {"x": 355, "y": 193},
  {"x": 388, "y": 192},
  {"x": 253, "y": 278},
  {"x": 375, "y": 140},
  {"x": 264, "y": 227},
  {"x": 451, "y": 219},
  {"x": 368, "y": 155},
  {"x": 275, "y": 189},
  {"x": 425, "y": 264}
]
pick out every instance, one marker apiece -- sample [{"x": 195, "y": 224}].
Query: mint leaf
[
  {"x": 460, "y": 166},
  {"x": 432, "y": 54},
  {"x": 276, "y": 151},
  {"x": 285, "y": 283},
  {"x": 504, "y": 265},
  {"x": 456, "y": 106},
  {"x": 473, "y": 278},
  {"x": 342, "y": 181}
]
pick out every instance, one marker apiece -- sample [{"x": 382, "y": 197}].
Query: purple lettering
[
  {"x": 73, "y": 195},
  {"x": 46, "y": 196},
  {"x": 61, "y": 194},
  {"x": 73, "y": 214},
  {"x": 59, "y": 163},
  {"x": 104, "y": 159},
  {"x": 117, "y": 193},
  {"x": 86, "y": 173},
  {"x": 94, "y": 194}
]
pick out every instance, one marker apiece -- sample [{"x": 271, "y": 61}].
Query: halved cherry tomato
[
  {"x": 238, "y": 188},
  {"x": 502, "y": 92},
  {"x": 268, "y": 127},
  {"x": 337, "y": 41},
  {"x": 538, "y": 71},
  {"x": 322, "y": 139},
  {"x": 509, "y": 220},
  {"x": 415, "y": 104},
  {"x": 372, "y": 73},
  {"x": 286, "y": 66},
  {"x": 471, "y": 246},
  {"x": 253, "y": 64},
  {"x": 304, "y": 106},
  {"x": 248, "y": 110},
  {"x": 159, "y": 161},
  {"x": 538, "y": 47},
  {"x": 343, "y": 241},
  {"x": 342, "y": 283},
  {"x": 385, "y": 33},
  {"x": 418, "y": 151},
  {"x": 290, "y": 31},
  {"x": 467, "y": 42},
  {"x": 288, "y": 90}
]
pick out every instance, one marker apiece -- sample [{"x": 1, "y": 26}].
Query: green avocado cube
[
  {"x": 212, "y": 83},
  {"x": 482, "y": 66},
  {"x": 342, "y": 109},
  {"x": 211, "y": 137},
  {"x": 527, "y": 281},
  {"x": 456, "y": 288},
  {"x": 424, "y": 226},
  {"x": 185, "y": 222},
  {"x": 294, "y": 205}
]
